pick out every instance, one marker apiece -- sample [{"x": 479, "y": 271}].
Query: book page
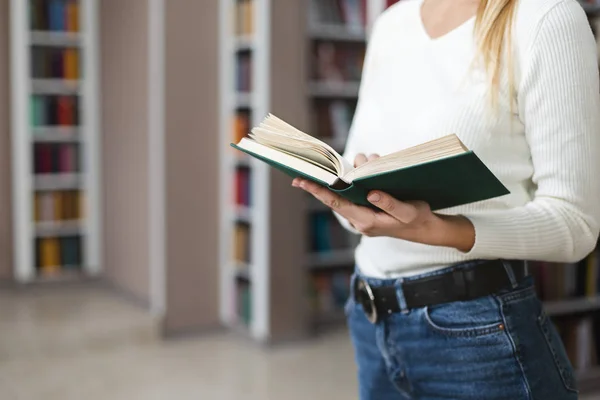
[
  {"x": 284, "y": 133},
  {"x": 446, "y": 146},
  {"x": 303, "y": 165}
]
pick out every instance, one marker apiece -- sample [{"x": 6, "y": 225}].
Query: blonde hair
[{"x": 493, "y": 32}]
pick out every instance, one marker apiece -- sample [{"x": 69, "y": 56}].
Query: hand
[{"x": 412, "y": 220}]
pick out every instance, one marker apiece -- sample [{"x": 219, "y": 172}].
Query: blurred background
[{"x": 140, "y": 257}]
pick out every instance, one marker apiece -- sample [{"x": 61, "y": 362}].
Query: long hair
[{"x": 493, "y": 32}]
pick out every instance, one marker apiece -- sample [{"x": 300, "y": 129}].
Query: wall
[
  {"x": 191, "y": 126},
  {"x": 5, "y": 143},
  {"x": 124, "y": 131}
]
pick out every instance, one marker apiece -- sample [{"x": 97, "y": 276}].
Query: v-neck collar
[{"x": 445, "y": 36}]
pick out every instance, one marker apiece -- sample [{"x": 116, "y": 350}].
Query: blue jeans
[{"x": 501, "y": 346}]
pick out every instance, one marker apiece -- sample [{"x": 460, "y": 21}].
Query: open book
[{"x": 442, "y": 172}]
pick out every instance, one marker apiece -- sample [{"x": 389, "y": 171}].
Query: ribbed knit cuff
[{"x": 495, "y": 237}]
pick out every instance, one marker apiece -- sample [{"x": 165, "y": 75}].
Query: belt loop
[
  {"x": 511, "y": 274},
  {"x": 353, "y": 283},
  {"x": 526, "y": 267},
  {"x": 400, "y": 295}
]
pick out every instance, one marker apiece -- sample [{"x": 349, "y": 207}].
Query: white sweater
[{"x": 546, "y": 152}]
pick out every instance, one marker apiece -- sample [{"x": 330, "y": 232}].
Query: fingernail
[
  {"x": 374, "y": 197},
  {"x": 295, "y": 183},
  {"x": 302, "y": 184}
]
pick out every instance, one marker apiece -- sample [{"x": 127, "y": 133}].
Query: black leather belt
[{"x": 460, "y": 284}]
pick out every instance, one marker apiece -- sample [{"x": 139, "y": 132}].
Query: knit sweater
[{"x": 545, "y": 148}]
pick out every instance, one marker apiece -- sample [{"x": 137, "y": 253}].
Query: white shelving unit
[
  {"x": 257, "y": 103},
  {"x": 279, "y": 262},
  {"x": 24, "y": 137}
]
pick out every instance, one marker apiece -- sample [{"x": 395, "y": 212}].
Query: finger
[
  {"x": 373, "y": 157},
  {"x": 403, "y": 212},
  {"x": 344, "y": 207},
  {"x": 360, "y": 159},
  {"x": 327, "y": 197}
]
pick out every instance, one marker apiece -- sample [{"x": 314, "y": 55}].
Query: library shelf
[
  {"x": 66, "y": 274},
  {"x": 58, "y": 181},
  {"x": 345, "y": 90},
  {"x": 338, "y": 33},
  {"x": 588, "y": 380},
  {"x": 58, "y": 228},
  {"x": 241, "y": 161},
  {"x": 334, "y": 317},
  {"x": 243, "y": 43},
  {"x": 315, "y": 205},
  {"x": 572, "y": 306},
  {"x": 55, "y": 86},
  {"x": 242, "y": 270},
  {"x": 56, "y": 134},
  {"x": 592, "y": 10},
  {"x": 55, "y": 38},
  {"x": 243, "y": 214},
  {"x": 244, "y": 100},
  {"x": 330, "y": 259},
  {"x": 337, "y": 143}
]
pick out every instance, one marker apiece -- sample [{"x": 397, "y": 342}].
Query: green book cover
[{"x": 443, "y": 183}]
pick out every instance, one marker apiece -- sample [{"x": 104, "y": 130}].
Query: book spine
[
  {"x": 72, "y": 17},
  {"x": 57, "y": 213}
]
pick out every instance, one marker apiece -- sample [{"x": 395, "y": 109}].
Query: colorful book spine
[
  {"x": 49, "y": 255},
  {"x": 70, "y": 64},
  {"x": 57, "y": 14},
  {"x": 72, "y": 17},
  {"x": 58, "y": 205},
  {"x": 71, "y": 251}
]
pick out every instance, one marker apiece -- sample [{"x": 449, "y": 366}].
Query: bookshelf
[
  {"x": 591, "y": 7},
  {"x": 54, "y": 98},
  {"x": 270, "y": 260},
  {"x": 337, "y": 35}
]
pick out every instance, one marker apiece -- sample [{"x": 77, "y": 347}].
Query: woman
[{"x": 440, "y": 306}]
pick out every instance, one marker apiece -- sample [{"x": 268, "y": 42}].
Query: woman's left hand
[{"x": 413, "y": 220}]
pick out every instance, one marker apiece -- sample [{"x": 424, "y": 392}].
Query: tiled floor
[{"x": 88, "y": 344}]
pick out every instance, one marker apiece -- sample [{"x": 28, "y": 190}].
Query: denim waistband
[{"x": 397, "y": 282}]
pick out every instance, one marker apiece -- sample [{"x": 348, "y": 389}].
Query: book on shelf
[
  {"x": 241, "y": 125},
  {"x": 556, "y": 281},
  {"x": 55, "y": 63},
  {"x": 55, "y": 253},
  {"x": 54, "y": 15},
  {"x": 57, "y": 206},
  {"x": 328, "y": 291},
  {"x": 244, "y": 301},
  {"x": 244, "y": 72},
  {"x": 441, "y": 172},
  {"x": 349, "y": 13},
  {"x": 331, "y": 120},
  {"x": 581, "y": 339},
  {"x": 241, "y": 243},
  {"x": 326, "y": 234},
  {"x": 53, "y": 110},
  {"x": 244, "y": 17},
  {"x": 338, "y": 62},
  {"x": 243, "y": 188},
  {"x": 51, "y": 158}
]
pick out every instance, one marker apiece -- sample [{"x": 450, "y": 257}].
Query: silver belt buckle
[{"x": 372, "y": 313}]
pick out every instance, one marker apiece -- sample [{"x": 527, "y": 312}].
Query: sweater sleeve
[
  {"x": 359, "y": 127},
  {"x": 559, "y": 104}
]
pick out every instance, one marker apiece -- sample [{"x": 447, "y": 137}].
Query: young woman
[{"x": 441, "y": 308}]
